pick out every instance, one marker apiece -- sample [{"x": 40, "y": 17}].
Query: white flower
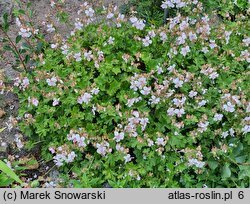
[
  {"x": 163, "y": 36},
  {"x": 51, "y": 184},
  {"x": 25, "y": 83},
  {"x": 34, "y": 101},
  {"x": 236, "y": 99},
  {"x": 185, "y": 50},
  {"x": 133, "y": 19},
  {"x": 227, "y": 36},
  {"x": 59, "y": 159},
  {"x": 101, "y": 149},
  {"x": 88, "y": 55},
  {"x": 52, "y": 81},
  {"x": 202, "y": 103},
  {"x": 119, "y": 148},
  {"x": 245, "y": 129},
  {"x": 151, "y": 34},
  {"x": 145, "y": 90},
  {"x": 89, "y": 12},
  {"x": 171, "y": 111},
  {"x": 77, "y": 57},
  {"x": 81, "y": 142},
  {"x": 64, "y": 49},
  {"x": 139, "y": 24},
  {"x": 246, "y": 118},
  {"x": 144, "y": 122},
  {"x": 179, "y": 102},
  {"x": 18, "y": 23},
  {"x": 52, "y": 150},
  {"x": 150, "y": 142},
  {"x": 25, "y": 33},
  {"x": 181, "y": 39},
  {"x": 55, "y": 101},
  {"x": 218, "y": 117},
  {"x": 86, "y": 97},
  {"x": 95, "y": 91},
  {"x": 111, "y": 40},
  {"x": 246, "y": 41},
  {"x": 229, "y": 107},
  {"x": 171, "y": 68},
  {"x": 71, "y": 157},
  {"x": 179, "y": 112},
  {"x": 110, "y": 15},
  {"x": 212, "y": 44},
  {"x": 195, "y": 162},
  {"x": 160, "y": 141},
  {"x": 203, "y": 126},
  {"x": 213, "y": 75},
  {"x": 50, "y": 28},
  {"x": 205, "y": 50},
  {"x": 118, "y": 136},
  {"x": 167, "y": 4},
  {"x": 154, "y": 100},
  {"x": 224, "y": 134},
  {"x": 183, "y": 25},
  {"x": 192, "y": 94},
  {"x": 53, "y": 46},
  {"x": 127, "y": 158},
  {"x": 177, "y": 82},
  {"x": 52, "y": 4},
  {"x": 78, "y": 25},
  {"x": 18, "y": 141},
  {"x": 248, "y": 107},
  {"x": 159, "y": 69},
  {"x": 146, "y": 41},
  {"x": 192, "y": 36},
  {"x": 231, "y": 132}
]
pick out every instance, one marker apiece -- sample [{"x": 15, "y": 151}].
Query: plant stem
[{"x": 14, "y": 46}]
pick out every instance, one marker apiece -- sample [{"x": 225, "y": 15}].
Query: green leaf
[
  {"x": 212, "y": 164},
  {"x": 5, "y": 18},
  {"x": 5, "y": 180},
  {"x": 18, "y": 38},
  {"x": 226, "y": 172},
  {"x": 29, "y": 4},
  {"x": 6, "y": 24},
  {"x": 241, "y": 159},
  {"x": 35, "y": 184},
  {"x": 27, "y": 59},
  {"x": 238, "y": 149},
  {"x": 39, "y": 47},
  {"x": 244, "y": 172},
  {"x": 114, "y": 86},
  {"x": 4, "y": 168}
]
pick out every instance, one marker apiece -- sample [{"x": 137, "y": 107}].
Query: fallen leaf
[
  {"x": 2, "y": 113},
  {"x": 29, "y": 162},
  {"x": 2, "y": 129}
]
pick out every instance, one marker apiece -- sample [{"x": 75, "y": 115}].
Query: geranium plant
[{"x": 132, "y": 105}]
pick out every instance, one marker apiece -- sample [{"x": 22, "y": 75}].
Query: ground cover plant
[{"x": 124, "y": 103}]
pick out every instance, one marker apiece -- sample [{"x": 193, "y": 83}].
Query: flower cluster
[
  {"x": 139, "y": 101},
  {"x": 62, "y": 155}
]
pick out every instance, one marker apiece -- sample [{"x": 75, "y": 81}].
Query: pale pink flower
[
  {"x": 118, "y": 136},
  {"x": 185, "y": 50},
  {"x": 178, "y": 83},
  {"x": 86, "y": 97}
]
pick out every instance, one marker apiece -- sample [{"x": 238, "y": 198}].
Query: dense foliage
[{"x": 128, "y": 104}]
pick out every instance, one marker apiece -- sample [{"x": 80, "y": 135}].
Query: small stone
[
  {"x": 3, "y": 148},
  {"x": 2, "y": 113}
]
